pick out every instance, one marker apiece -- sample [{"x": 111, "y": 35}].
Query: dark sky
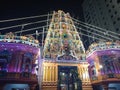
[
  {"x": 21, "y": 8},
  {"x": 10, "y": 9}
]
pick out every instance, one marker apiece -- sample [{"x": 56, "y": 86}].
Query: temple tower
[{"x": 64, "y": 62}]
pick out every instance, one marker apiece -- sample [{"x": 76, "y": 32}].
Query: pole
[
  {"x": 21, "y": 30},
  {"x": 47, "y": 20},
  {"x": 43, "y": 36},
  {"x": 37, "y": 34}
]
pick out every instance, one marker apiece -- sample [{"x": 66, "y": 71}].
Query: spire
[{"x": 63, "y": 41}]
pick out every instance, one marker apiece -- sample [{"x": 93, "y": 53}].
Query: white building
[{"x": 103, "y": 13}]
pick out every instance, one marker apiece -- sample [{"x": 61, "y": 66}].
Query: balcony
[
  {"x": 102, "y": 46},
  {"x": 19, "y": 39},
  {"x": 106, "y": 78},
  {"x": 17, "y": 77}
]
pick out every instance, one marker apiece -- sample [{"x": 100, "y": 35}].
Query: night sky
[
  {"x": 22, "y": 8},
  {"x": 10, "y": 9}
]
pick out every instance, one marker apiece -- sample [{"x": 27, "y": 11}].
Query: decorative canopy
[{"x": 63, "y": 41}]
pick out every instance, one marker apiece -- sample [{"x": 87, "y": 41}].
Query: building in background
[{"x": 104, "y": 14}]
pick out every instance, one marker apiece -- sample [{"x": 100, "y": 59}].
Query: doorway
[{"x": 68, "y": 78}]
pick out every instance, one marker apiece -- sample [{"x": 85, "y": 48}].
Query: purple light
[
  {"x": 112, "y": 58},
  {"x": 16, "y": 49}
]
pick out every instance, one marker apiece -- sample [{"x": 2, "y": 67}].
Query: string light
[
  {"x": 31, "y": 17},
  {"x": 82, "y": 26}
]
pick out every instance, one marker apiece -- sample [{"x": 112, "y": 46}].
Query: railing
[
  {"x": 106, "y": 77},
  {"x": 16, "y": 76},
  {"x": 63, "y": 61},
  {"x": 20, "y": 39},
  {"x": 103, "y": 46}
]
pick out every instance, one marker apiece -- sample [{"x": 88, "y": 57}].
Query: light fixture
[{"x": 101, "y": 66}]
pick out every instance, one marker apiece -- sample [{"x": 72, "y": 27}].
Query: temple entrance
[{"x": 68, "y": 78}]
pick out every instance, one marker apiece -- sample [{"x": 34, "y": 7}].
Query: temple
[
  {"x": 62, "y": 63},
  {"x": 67, "y": 66}
]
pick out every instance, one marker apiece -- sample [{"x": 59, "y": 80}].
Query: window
[
  {"x": 105, "y": 23},
  {"x": 114, "y": 22},
  {"x": 106, "y": 28},
  {"x": 113, "y": 6},
  {"x": 97, "y": 24},
  {"x": 118, "y": 1},
  {"x": 94, "y": 14},
  {"x": 109, "y": 10},
  {"x": 115, "y": 12},
  {"x": 111, "y": 16},
  {"x": 107, "y": 5},
  {"x": 110, "y": 1},
  {"x": 117, "y": 29},
  {"x": 118, "y": 18}
]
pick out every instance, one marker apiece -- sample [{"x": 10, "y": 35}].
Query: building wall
[
  {"x": 103, "y": 13},
  {"x": 17, "y": 65}
]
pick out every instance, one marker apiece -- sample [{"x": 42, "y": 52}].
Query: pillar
[
  {"x": 44, "y": 73},
  {"x": 56, "y": 73}
]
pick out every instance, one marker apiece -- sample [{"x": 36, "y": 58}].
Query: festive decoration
[
  {"x": 104, "y": 62},
  {"x": 10, "y": 37},
  {"x": 17, "y": 59},
  {"x": 63, "y": 41},
  {"x": 64, "y": 52}
]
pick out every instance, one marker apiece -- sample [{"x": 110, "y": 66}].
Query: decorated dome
[{"x": 63, "y": 41}]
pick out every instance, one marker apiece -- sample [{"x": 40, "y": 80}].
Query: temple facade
[
  {"x": 64, "y": 61},
  {"x": 67, "y": 66},
  {"x": 62, "y": 64}
]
